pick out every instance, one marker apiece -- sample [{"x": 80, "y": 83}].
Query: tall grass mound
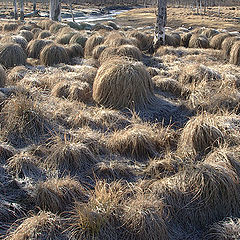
[
  {"x": 22, "y": 121},
  {"x": 196, "y": 73},
  {"x": 130, "y": 52},
  {"x": 216, "y": 41},
  {"x": 185, "y": 38},
  {"x": 209, "y": 33},
  {"x": 20, "y": 40},
  {"x": 59, "y": 194},
  {"x": 198, "y": 195},
  {"x": 44, "y": 225},
  {"x": 65, "y": 38},
  {"x": 227, "y": 45},
  {"x": 35, "y": 47},
  {"x": 8, "y": 27},
  {"x": 53, "y": 54},
  {"x": 28, "y": 35},
  {"x": 74, "y": 50},
  {"x": 200, "y": 135},
  {"x": 224, "y": 230},
  {"x": 112, "y": 41},
  {"x": 141, "y": 141},
  {"x": 98, "y": 219},
  {"x": 91, "y": 43},
  {"x": 3, "y": 77},
  {"x": 144, "y": 41},
  {"x": 69, "y": 156},
  {"x": 123, "y": 84},
  {"x": 55, "y": 27},
  {"x": 235, "y": 53},
  {"x": 78, "y": 38},
  {"x": 198, "y": 41},
  {"x": 12, "y": 55},
  {"x": 42, "y": 34},
  {"x": 98, "y": 50},
  {"x": 143, "y": 218}
]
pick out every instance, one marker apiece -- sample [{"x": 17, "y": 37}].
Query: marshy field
[{"x": 104, "y": 137}]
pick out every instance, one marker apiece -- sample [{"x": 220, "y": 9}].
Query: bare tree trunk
[
  {"x": 200, "y": 6},
  {"x": 21, "y": 10},
  {"x": 197, "y": 6},
  {"x": 55, "y": 10},
  {"x": 159, "y": 37},
  {"x": 34, "y": 5},
  {"x": 70, "y": 5},
  {"x": 205, "y": 7},
  {"x": 15, "y": 9}
]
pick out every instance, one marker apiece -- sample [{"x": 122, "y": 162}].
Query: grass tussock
[
  {"x": 227, "y": 46},
  {"x": 143, "y": 218},
  {"x": 200, "y": 135},
  {"x": 8, "y": 27},
  {"x": 42, "y": 35},
  {"x": 216, "y": 41},
  {"x": 35, "y": 47},
  {"x": 79, "y": 91},
  {"x": 98, "y": 50},
  {"x": 199, "y": 195},
  {"x": 3, "y": 77},
  {"x": 24, "y": 165},
  {"x": 78, "y": 38},
  {"x": 15, "y": 39},
  {"x": 209, "y": 33},
  {"x": 185, "y": 38},
  {"x": 74, "y": 50},
  {"x": 169, "y": 85},
  {"x": 17, "y": 73},
  {"x": 22, "y": 121},
  {"x": 122, "y": 84},
  {"x": 141, "y": 141},
  {"x": 198, "y": 41},
  {"x": 98, "y": 218},
  {"x": 235, "y": 53},
  {"x": 69, "y": 156},
  {"x": 59, "y": 194},
  {"x": 195, "y": 73},
  {"x": 53, "y": 54},
  {"x": 91, "y": 43},
  {"x": 44, "y": 225},
  {"x": 64, "y": 38},
  {"x": 28, "y": 35},
  {"x": 12, "y": 55}
]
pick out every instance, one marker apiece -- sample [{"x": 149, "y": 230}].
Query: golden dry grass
[{"x": 113, "y": 78}]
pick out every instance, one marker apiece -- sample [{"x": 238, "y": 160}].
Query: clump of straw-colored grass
[
  {"x": 141, "y": 141},
  {"x": 200, "y": 135},
  {"x": 53, "y": 54},
  {"x": 44, "y": 225},
  {"x": 112, "y": 86},
  {"x": 59, "y": 194},
  {"x": 235, "y": 53},
  {"x": 12, "y": 55},
  {"x": 35, "y": 47},
  {"x": 198, "y": 41},
  {"x": 216, "y": 41},
  {"x": 3, "y": 77},
  {"x": 91, "y": 43}
]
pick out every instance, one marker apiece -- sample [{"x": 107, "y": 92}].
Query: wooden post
[
  {"x": 55, "y": 10},
  {"x": 21, "y": 10},
  {"x": 159, "y": 37},
  {"x": 15, "y": 9}
]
